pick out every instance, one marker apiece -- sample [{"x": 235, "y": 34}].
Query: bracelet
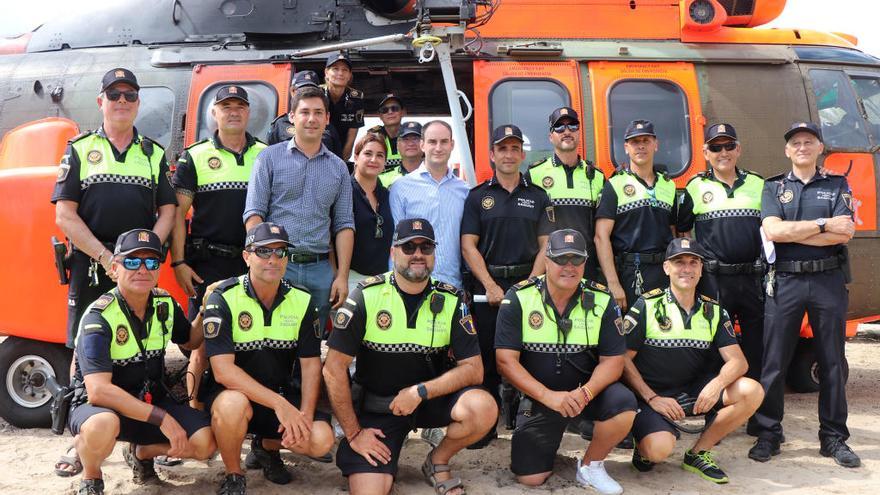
[
  {"x": 652, "y": 398},
  {"x": 587, "y": 393},
  {"x": 101, "y": 254},
  {"x": 175, "y": 264},
  {"x": 355, "y": 435},
  {"x": 157, "y": 414}
]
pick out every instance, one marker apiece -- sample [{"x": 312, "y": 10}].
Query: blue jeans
[{"x": 317, "y": 277}]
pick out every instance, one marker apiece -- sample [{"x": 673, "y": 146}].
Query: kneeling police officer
[{"x": 120, "y": 369}]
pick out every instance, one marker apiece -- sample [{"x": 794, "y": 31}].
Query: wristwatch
[
  {"x": 821, "y": 223},
  {"x": 423, "y": 391}
]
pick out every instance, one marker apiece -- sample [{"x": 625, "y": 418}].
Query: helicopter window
[
  {"x": 518, "y": 101},
  {"x": 842, "y": 124},
  {"x": 664, "y": 104},
  {"x": 155, "y": 113},
  {"x": 868, "y": 89},
  {"x": 263, "y": 102}
]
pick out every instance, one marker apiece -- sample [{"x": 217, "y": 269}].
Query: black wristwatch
[
  {"x": 175, "y": 264},
  {"x": 821, "y": 223},
  {"x": 423, "y": 391}
]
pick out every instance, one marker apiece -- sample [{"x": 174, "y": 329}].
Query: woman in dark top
[{"x": 374, "y": 226}]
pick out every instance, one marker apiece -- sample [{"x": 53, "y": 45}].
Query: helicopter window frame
[
  {"x": 686, "y": 143},
  {"x": 206, "y": 126},
  {"x": 531, "y": 153},
  {"x": 152, "y": 107},
  {"x": 830, "y": 120},
  {"x": 871, "y": 109}
]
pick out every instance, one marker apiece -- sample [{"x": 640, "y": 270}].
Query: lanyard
[{"x": 123, "y": 305}]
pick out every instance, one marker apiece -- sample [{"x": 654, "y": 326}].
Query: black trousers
[
  {"x": 485, "y": 316},
  {"x": 653, "y": 277},
  {"x": 824, "y": 297},
  {"x": 742, "y": 296},
  {"x": 79, "y": 294},
  {"x": 212, "y": 269}
]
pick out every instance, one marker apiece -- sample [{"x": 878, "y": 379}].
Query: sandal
[
  {"x": 91, "y": 487},
  {"x": 142, "y": 470},
  {"x": 430, "y": 470},
  {"x": 164, "y": 460},
  {"x": 69, "y": 461}
]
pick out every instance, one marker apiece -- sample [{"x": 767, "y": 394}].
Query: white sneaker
[{"x": 594, "y": 475}]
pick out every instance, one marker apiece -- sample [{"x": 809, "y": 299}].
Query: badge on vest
[
  {"x": 536, "y": 320},
  {"x": 488, "y": 203},
  {"x": 94, "y": 156},
  {"x": 468, "y": 324},
  {"x": 211, "y": 326},
  {"x": 665, "y": 323},
  {"x": 214, "y": 163},
  {"x": 787, "y": 196},
  {"x": 547, "y": 182},
  {"x": 629, "y": 190},
  {"x": 245, "y": 321},
  {"x": 383, "y": 320},
  {"x": 707, "y": 197},
  {"x": 121, "y": 335}
]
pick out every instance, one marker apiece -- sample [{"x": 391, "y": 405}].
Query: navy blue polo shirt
[{"x": 371, "y": 250}]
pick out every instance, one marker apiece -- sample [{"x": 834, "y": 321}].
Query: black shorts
[
  {"x": 434, "y": 413},
  {"x": 264, "y": 422},
  {"x": 539, "y": 429},
  {"x": 140, "y": 432},
  {"x": 650, "y": 421}
]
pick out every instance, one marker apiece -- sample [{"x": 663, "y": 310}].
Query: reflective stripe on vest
[
  {"x": 386, "y": 325},
  {"x": 632, "y": 193},
  {"x": 217, "y": 169},
  {"x": 700, "y": 335},
  {"x": 540, "y": 333},
  {"x": 98, "y": 164},
  {"x": 553, "y": 179},
  {"x": 390, "y": 177},
  {"x": 391, "y": 159},
  {"x": 249, "y": 333},
  {"x": 711, "y": 201}
]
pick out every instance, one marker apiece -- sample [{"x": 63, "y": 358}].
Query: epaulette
[
  {"x": 102, "y": 302},
  {"x": 160, "y": 292},
  {"x": 599, "y": 287},
  {"x": 653, "y": 293},
  {"x": 451, "y": 289},
  {"x": 756, "y": 174},
  {"x": 700, "y": 175},
  {"x": 80, "y": 136},
  {"x": 775, "y": 178},
  {"x": 525, "y": 283},
  {"x": 196, "y": 144},
  {"x": 259, "y": 141},
  {"x": 227, "y": 284},
  {"x": 537, "y": 163},
  {"x": 708, "y": 299},
  {"x": 371, "y": 281},
  {"x": 355, "y": 93}
]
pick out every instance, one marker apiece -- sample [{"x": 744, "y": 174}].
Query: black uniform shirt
[
  {"x": 508, "y": 223},
  {"x": 670, "y": 370},
  {"x": 787, "y": 198},
  {"x": 93, "y": 349},
  {"x": 348, "y": 112},
  {"x": 640, "y": 230},
  {"x": 387, "y": 373},
  {"x": 370, "y": 254},
  {"x": 542, "y": 365},
  {"x": 282, "y": 130},
  {"x": 730, "y": 239},
  {"x": 271, "y": 367},
  {"x": 217, "y": 212},
  {"x": 111, "y": 208}
]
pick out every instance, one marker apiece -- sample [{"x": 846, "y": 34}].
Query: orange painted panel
[
  {"x": 863, "y": 183},
  {"x": 766, "y": 36},
  {"x": 36, "y": 144},
  {"x": 203, "y": 76},
  {"x": 488, "y": 74},
  {"x": 603, "y": 75}
]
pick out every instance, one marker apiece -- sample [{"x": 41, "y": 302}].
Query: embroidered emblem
[
  {"x": 290, "y": 130},
  {"x": 787, "y": 196},
  {"x": 343, "y": 318},
  {"x": 547, "y": 182},
  {"x": 417, "y": 225},
  {"x": 488, "y": 202},
  {"x": 629, "y": 190},
  {"x": 722, "y": 128},
  {"x": 214, "y": 163},
  {"x": 467, "y": 322},
  {"x": 536, "y": 320},
  {"x": 94, "y": 156},
  {"x": 245, "y": 321},
  {"x": 708, "y": 197},
  {"x": 551, "y": 214},
  {"x": 729, "y": 327},
  {"x": 383, "y": 320},
  {"x": 212, "y": 327},
  {"x": 275, "y": 229},
  {"x": 686, "y": 243},
  {"x": 119, "y": 73},
  {"x": 665, "y": 323},
  {"x": 121, "y": 335}
]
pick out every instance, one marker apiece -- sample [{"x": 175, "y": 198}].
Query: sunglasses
[
  {"x": 379, "y": 223},
  {"x": 389, "y": 109},
  {"x": 715, "y": 148},
  {"x": 265, "y": 253},
  {"x": 569, "y": 259},
  {"x": 133, "y": 264},
  {"x": 115, "y": 94},
  {"x": 559, "y": 129},
  {"x": 410, "y": 247}
]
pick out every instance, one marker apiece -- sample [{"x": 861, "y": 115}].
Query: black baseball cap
[
  {"x": 566, "y": 241},
  {"x": 638, "y": 128},
  {"x": 720, "y": 130},
  {"x": 412, "y": 228},
  {"x": 683, "y": 245},
  {"x": 390, "y": 96},
  {"x": 803, "y": 127},
  {"x": 336, "y": 57},
  {"x": 231, "y": 91},
  {"x": 503, "y": 132},
  {"x": 304, "y": 78},
  {"x": 119, "y": 75},
  {"x": 266, "y": 233},
  {"x": 563, "y": 112},
  {"x": 410, "y": 129},
  {"x": 137, "y": 240}
]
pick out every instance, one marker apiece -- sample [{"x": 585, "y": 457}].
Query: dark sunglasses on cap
[
  {"x": 389, "y": 109},
  {"x": 115, "y": 94},
  {"x": 715, "y": 147},
  {"x": 265, "y": 253},
  {"x": 133, "y": 264},
  {"x": 559, "y": 129},
  {"x": 568, "y": 259},
  {"x": 409, "y": 247}
]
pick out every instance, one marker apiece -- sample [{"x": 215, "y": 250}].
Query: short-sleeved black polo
[
  {"x": 639, "y": 230},
  {"x": 370, "y": 254}
]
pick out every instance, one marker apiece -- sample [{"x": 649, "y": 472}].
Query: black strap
[
  {"x": 808, "y": 266},
  {"x": 644, "y": 258}
]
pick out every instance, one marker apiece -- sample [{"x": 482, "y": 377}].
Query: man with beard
[{"x": 402, "y": 327}]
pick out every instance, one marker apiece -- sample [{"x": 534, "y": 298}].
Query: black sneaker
[
  {"x": 704, "y": 465},
  {"x": 270, "y": 461},
  {"x": 142, "y": 471},
  {"x": 91, "y": 487},
  {"x": 840, "y": 451},
  {"x": 641, "y": 464},
  {"x": 763, "y": 450},
  {"x": 250, "y": 460},
  {"x": 233, "y": 484}
]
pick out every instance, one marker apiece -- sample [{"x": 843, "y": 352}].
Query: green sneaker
[
  {"x": 641, "y": 464},
  {"x": 703, "y": 464}
]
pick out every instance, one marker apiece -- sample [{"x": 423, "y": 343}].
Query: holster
[
  {"x": 843, "y": 256},
  {"x": 195, "y": 250},
  {"x": 62, "y": 260},
  {"x": 59, "y": 408},
  {"x": 510, "y": 400}
]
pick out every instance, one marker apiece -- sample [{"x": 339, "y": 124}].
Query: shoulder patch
[
  {"x": 158, "y": 291},
  {"x": 343, "y": 318},
  {"x": 443, "y": 286},
  {"x": 80, "y": 136},
  {"x": 708, "y": 299},
  {"x": 371, "y": 281},
  {"x": 525, "y": 283},
  {"x": 102, "y": 302},
  {"x": 599, "y": 287},
  {"x": 652, "y": 293}
]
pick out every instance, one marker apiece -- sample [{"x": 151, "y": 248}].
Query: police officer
[
  {"x": 808, "y": 216},
  {"x": 634, "y": 221},
  {"x": 504, "y": 228},
  {"x": 391, "y": 111},
  {"x": 402, "y": 327},
  {"x": 573, "y": 184},
  {"x": 120, "y": 393},
  {"x": 674, "y": 338},
  {"x": 256, "y": 325},
  {"x": 560, "y": 342},
  {"x": 723, "y": 207},
  {"x": 282, "y": 129},
  {"x": 346, "y": 103},
  {"x": 410, "y": 150}
]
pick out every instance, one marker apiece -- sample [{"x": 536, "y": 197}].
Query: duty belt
[
  {"x": 224, "y": 250},
  {"x": 642, "y": 258},
  {"x": 308, "y": 257},
  {"x": 199, "y": 248},
  {"x": 754, "y": 268},
  {"x": 808, "y": 266},
  {"x": 509, "y": 271}
]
